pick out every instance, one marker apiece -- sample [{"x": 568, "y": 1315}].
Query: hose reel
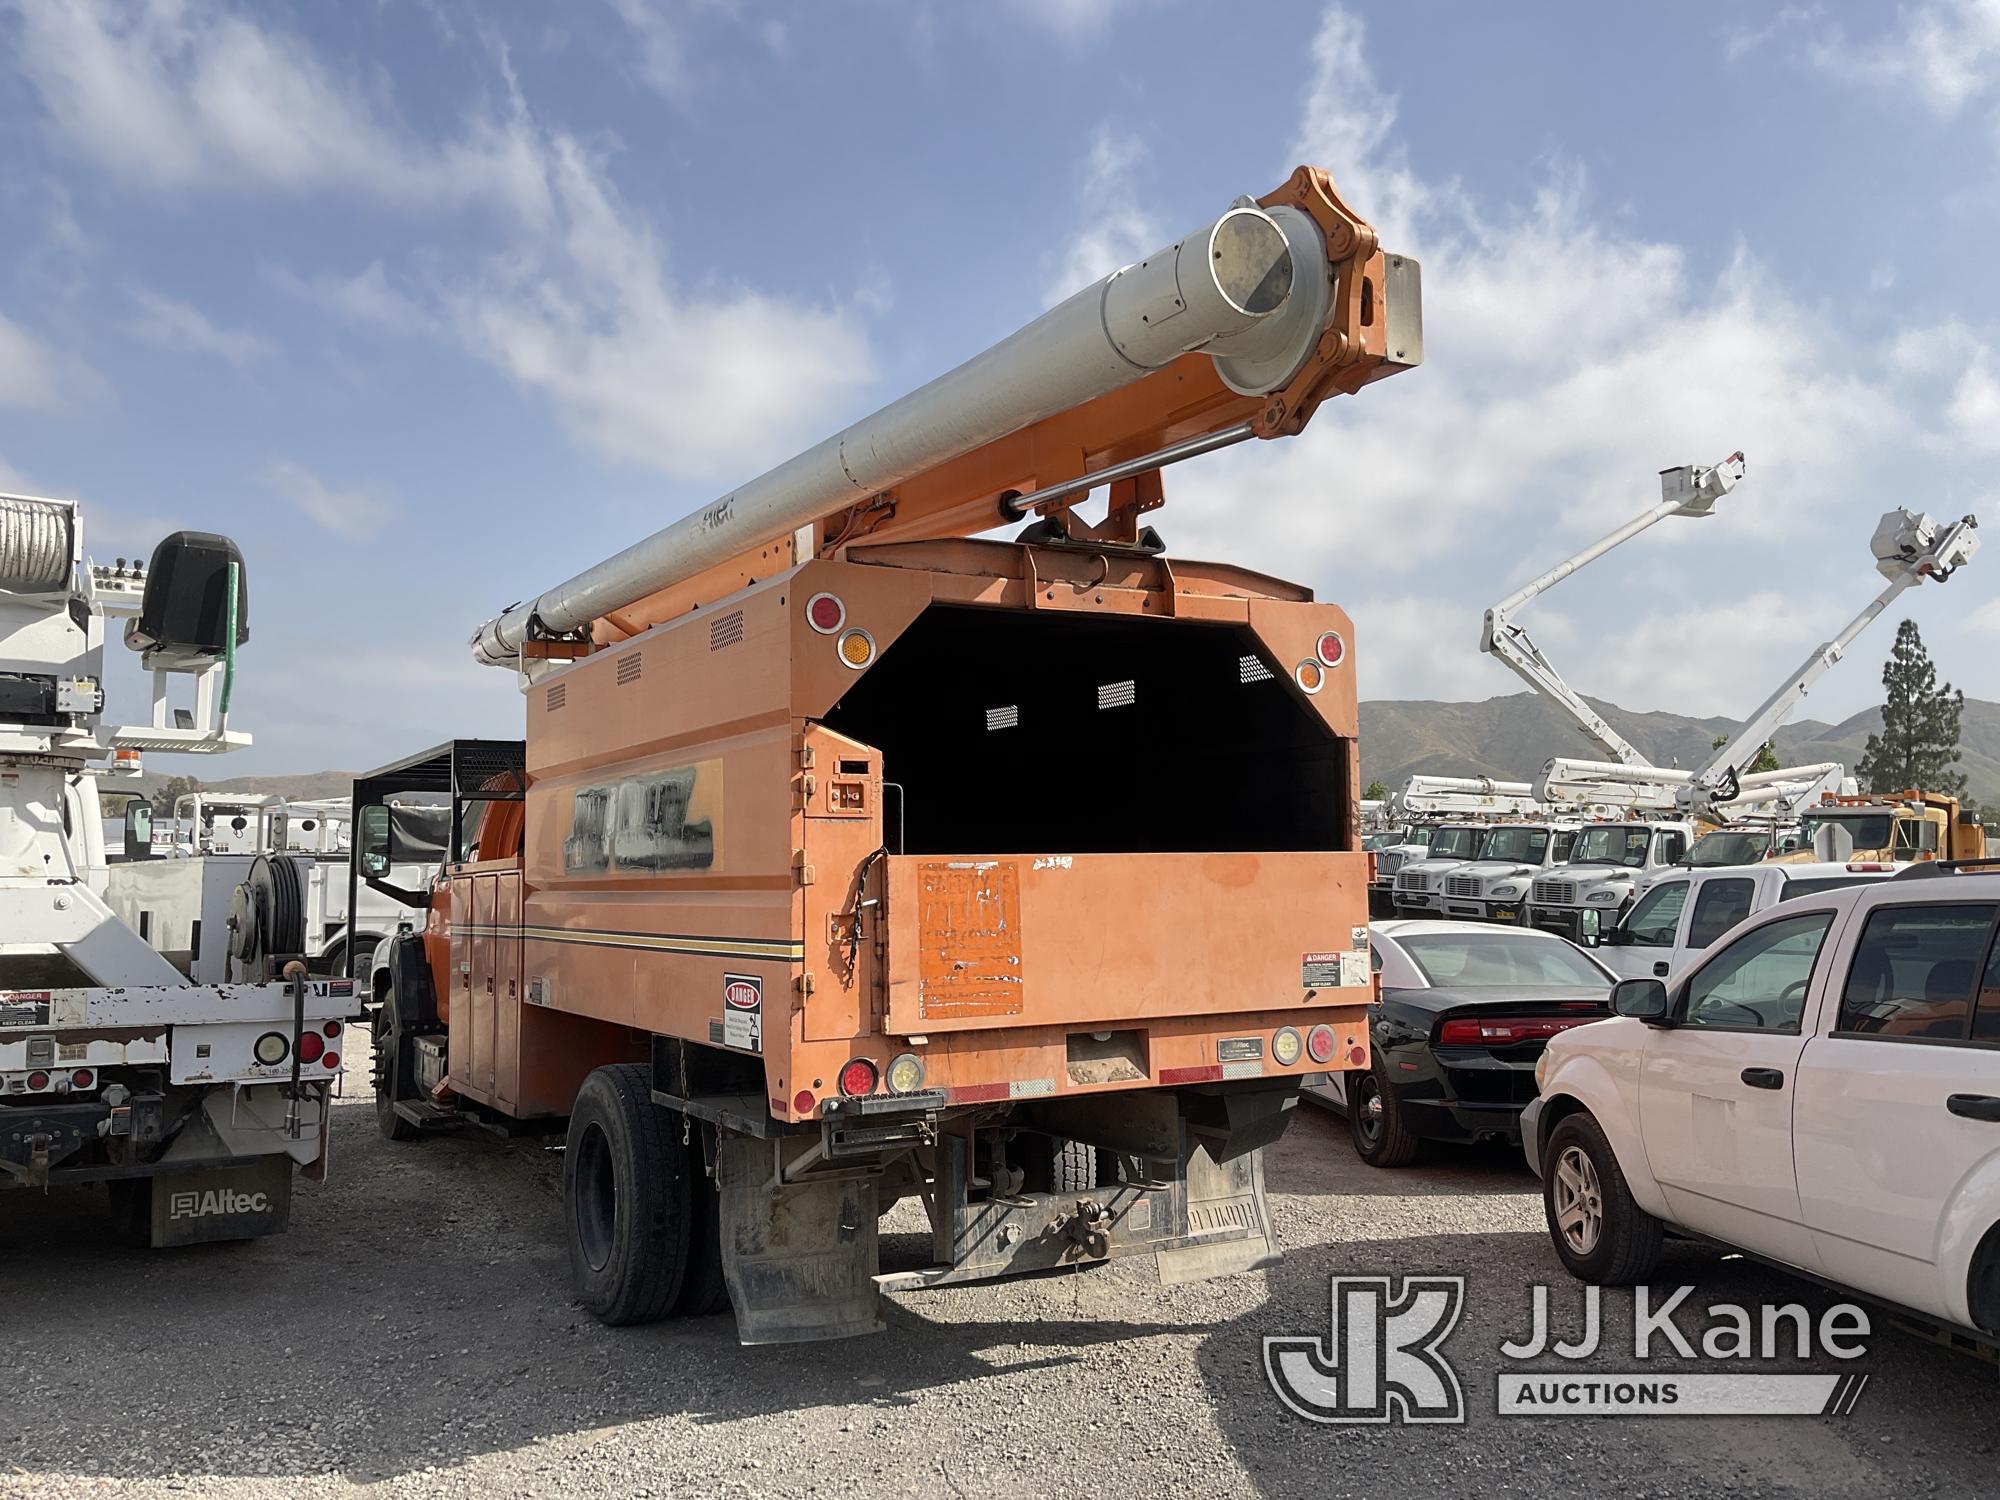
[{"x": 267, "y": 915}]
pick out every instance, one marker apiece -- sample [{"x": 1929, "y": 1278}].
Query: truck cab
[
  {"x": 1390, "y": 858},
  {"x": 1609, "y": 864},
  {"x": 1494, "y": 887},
  {"x": 1678, "y": 916},
  {"x": 1420, "y": 882},
  {"x": 1899, "y": 827}
]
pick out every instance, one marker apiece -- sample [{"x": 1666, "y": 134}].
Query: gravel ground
[{"x": 413, "y": 1334}]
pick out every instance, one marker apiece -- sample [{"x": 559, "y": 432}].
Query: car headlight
[
  {"x": 1506, "y": 892},
  {"x": 1542, "y": 1069},
  {"x": 1604, "y": 898}
]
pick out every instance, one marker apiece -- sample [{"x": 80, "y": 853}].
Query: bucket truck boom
[
  {"x": 1689, "y": 490},
  {"x": 1909, "y": 547}
]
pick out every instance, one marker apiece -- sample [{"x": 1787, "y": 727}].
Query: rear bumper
[{"x": 1470, "y": 1096}]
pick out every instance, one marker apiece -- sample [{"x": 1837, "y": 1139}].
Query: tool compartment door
[{"x": 980, "y": 942}]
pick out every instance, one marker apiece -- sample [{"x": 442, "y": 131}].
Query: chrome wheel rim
[{"x": 1579, "y": 1200}]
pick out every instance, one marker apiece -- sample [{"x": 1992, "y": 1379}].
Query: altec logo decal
[{"x": 216, "y": 1201}]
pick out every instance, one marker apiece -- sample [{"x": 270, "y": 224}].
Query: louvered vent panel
[
  {"x": 725, "y": 630},
  {"x": 628, "y": 668},
  {"x": 558, "y": 695},
  {"x": 1251, "y": 669},
  {"x": 1003, "y": 718},
  {"x": 1118, "y": 694}
]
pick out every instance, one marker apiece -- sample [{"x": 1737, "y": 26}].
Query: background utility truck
[
  {"x": 775, "y": 924},
  {"x": 191, "y": 1103},
  {"x": 1609, "y": 864},
  {"x": 1494, "y": 887}
]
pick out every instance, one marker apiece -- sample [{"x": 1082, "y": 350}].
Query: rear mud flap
[
  {"x": 223, "y": 1203},
  {"x": 1228, "y": 1220},
  {"x": 799, "y": 1258}
]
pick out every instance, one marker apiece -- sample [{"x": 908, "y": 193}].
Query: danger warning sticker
[
  {"x": 1320, "y": 971},
  {"x": 743, "y": 1012}
]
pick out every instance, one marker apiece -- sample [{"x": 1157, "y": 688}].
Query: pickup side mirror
[
  {"x": 1641, "y": 999},
  {"x": 371, "y": 840},
  {"x": 138, "y": 830},
  {"x": 1590, "y": 927}
]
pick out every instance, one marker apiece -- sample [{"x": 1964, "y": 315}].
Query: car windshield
[
  {"x": 1724, "y": 848},
  {"x": 1456, "y": 843},
  {"x": 1524, "y": 844},
  {"x": 1612, "y": 844},
  {"x": 1867, "y": 830},
  {"x": 1478, "y": 959}
]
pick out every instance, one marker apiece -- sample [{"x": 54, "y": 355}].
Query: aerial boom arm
[
  {"x": 1686, "y": 491},
  {"x": 1240, "y": 329},
  {"x": 1909, "y": 547}
]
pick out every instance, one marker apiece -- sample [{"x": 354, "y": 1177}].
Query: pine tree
[
  {"x": 1376, "y": 792},
  {"x": 1918, "y": 745}
]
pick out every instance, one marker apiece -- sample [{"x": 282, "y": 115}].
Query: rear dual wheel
[{"x": 643, "y": 1215}]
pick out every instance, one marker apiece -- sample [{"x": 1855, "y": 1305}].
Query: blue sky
[{"x": 430, "y": 303}]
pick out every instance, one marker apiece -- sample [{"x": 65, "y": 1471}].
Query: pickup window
[
  {"x": 1719, "y": 907},
  {"x": 1914, "y": 972},
  {"x": 1657, "y": 915},
  {"x": 1759, "y": 982}
]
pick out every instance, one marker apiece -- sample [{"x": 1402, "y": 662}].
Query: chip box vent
[
  {"x": 1003, "y": 718},
  {"x": 1252, "y": 669},
  {"x": 725, "y": 630},
  {"x": 558, "y": 695},
  {"x": 629, "y": 667},
  {"x": 1117, "y": 694}
]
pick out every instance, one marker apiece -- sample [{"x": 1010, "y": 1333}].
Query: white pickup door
[
  {"x": 1716, "y": 1089},
  {"x": 1665, "y": 930},
  {"x": 1897, "y": 1114}
]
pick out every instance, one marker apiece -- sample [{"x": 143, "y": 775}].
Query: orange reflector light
[
  {"x": 1310, "y": 676},
  {"x": 857, "y": 648}
]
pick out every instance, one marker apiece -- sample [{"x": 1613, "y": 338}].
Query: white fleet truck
[
  {"x": 1494, "y": 887},
  {"x": 1609, "y": 865},
  {"x": 193, "y": 1105}
]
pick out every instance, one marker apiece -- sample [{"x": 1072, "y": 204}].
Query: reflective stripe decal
[{"x": 778, "y": 950}]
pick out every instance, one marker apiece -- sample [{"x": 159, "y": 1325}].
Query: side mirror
[
  {"x": 138, "y": 830},
  {"x": 1590, "y": 928},
  {"x": 1641, "y": 999},
  {"x": 371, "y": 842}
]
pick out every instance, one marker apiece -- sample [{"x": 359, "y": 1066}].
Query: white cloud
[
  {"x": 185, "y": 328},
  {"x": 35, "y": 376},
  {"x": 1945, "y": 52},
  {"x": 181, "y": 94},
  {"x": 1117, "y": 231},
  {"x": 1567, "y": 359},
  {"x": 1075, "y": 20},
  {"x": 695, "y": 386},
  {"x": 1974, "y": 411},
  {"x": 356, "y": 514}
]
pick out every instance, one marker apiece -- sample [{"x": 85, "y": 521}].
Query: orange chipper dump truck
[{"x": 851, "y": 857}]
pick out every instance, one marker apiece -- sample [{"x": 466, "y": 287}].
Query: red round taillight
[
  {"x": 1332, "y": 649},
  {"x": 825, "y": 613},
  {"x": 331, "y": 1060},
  {"x": 330, "y": 1030},
  {"x": 858, "y": 1078},
  {"x": 802, "y": 1102},
  {"x": 37, "y": 1082},
  {"x": 310, "y": 1047},
  {"x": 1357, "y": 1056},
  {"x": 1319, "y": 1044},
  {"x": 82, "y": 1078}
]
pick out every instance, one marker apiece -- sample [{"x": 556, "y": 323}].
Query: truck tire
[
  {"x": 1382, "y": 1137},
  {"x": 703, "y": 1290},
  {"x": 627, "y": 1204},
  {"x": 1600, "y": 1233},
  {"x": 395, "y": 1069}
]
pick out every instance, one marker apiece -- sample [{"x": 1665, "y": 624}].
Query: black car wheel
[{"x": 1375, "y": 1117}]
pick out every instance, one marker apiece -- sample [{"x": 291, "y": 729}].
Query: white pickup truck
[
  {"x": 1683, "y": 912},
  {"x": 1821, "y": 1088}
]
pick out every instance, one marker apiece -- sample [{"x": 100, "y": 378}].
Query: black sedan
[{"x": 1466, "y": 1010}]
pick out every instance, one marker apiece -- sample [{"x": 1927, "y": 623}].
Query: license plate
[{"x": 1506, "y": 914}]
